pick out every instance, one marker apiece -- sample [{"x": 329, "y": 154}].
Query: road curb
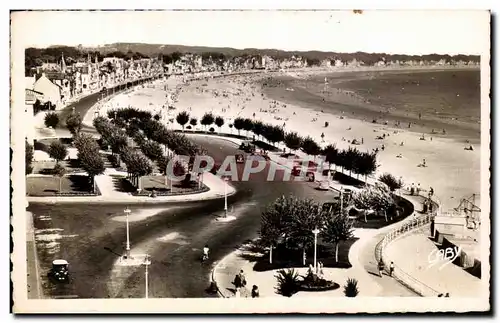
[{"x": 220, "y": 294}]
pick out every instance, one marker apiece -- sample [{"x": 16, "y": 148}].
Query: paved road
[
  {"x": 83, "y": 105},
  {"x": 87, "y": 234}
]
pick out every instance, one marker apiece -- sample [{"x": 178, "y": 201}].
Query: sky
[{"x": 403, "y": 32}]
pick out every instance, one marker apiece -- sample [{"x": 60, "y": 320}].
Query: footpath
[
  {"x": 34, "y": 284},
  {"x": 110, "y": 195}
]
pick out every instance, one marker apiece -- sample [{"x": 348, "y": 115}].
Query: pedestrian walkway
[
  {"x": 439, "y": 274},
  {"x": 34, "y": 284}
]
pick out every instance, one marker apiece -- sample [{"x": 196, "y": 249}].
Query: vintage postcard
[{"x": 328, "y": 161}]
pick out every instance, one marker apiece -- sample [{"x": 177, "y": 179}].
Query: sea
[{"x": 428, "y": 100}]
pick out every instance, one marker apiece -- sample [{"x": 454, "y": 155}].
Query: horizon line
[{"x": 103, "y": 45}]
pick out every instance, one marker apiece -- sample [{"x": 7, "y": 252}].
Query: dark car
[{"x": 60, "y": 271}]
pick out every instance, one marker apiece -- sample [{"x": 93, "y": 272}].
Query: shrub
[
  {"x": 351, "y": 288},
  {"x": 212, "y": 129},
  {"x": 189, "y": 127},
  {"x": 288, "y": 282},
  {"x": 157, "y": 117},
  {"x": 327, "y": 124},
  {"x": 51, "y": 120}
]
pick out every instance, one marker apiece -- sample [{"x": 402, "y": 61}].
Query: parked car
[
  {"x": 59, "y": 272},
  {"x": 324, "y": 185}
]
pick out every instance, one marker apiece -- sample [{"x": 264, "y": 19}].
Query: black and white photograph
[{"x": 250, "y": 161}]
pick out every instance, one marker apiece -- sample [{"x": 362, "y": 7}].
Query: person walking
[
  {"x": 391, "y": 268},
  {"x": 380, "y": 267},
  {"x": 255, "y": 291},
  {"x": 242, "y": 278}
]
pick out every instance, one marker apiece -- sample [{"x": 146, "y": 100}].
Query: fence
[{"x": 407, "y": 227}]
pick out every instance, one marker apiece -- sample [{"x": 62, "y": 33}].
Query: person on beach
[
  {"x": 424, "y": 163},
  {"x": 412, "y": 189},
  {"x": 391, "y": 268},
  {"x": 418, "y": 189}
]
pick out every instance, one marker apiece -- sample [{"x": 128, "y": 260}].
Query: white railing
[{"x": 400, "y": 275}]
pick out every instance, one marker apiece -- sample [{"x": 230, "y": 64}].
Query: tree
[
  {"x": 51, "y": 120},
  {"x": 219, "y": 121},
  {"x": 338, "y": 227},
  {"x": 351, "y": 288},
  {"x": 207, "y": 119},
  {"x": 74, "y": 123},
  {"x": 306, "y": 215},
  {"x": 293, "y": 141},
  {"x": 89, "y": 156},
  {"x": 391, "y": 181},
  {"x": 138, "y": 165},
  {"x": 366, "y": 164},
  {"x": 28, "y": 153},
  {"x": 310, "y": 147},
  {"x": 258, "y": 128},
  {"x": 193, "y": 122},
  {"x": 248, "y": 125},
  {"x": 57, "y": 151},
  {"x": 182, "y": 118},
  {"x": 377, "y": 198},
  {"x": 238, "y": 124},
  {"x": 331, "y": 154},
  {"x": 273, "y": 224},
  {"x": 152, "y": 150},
  {"x": 59, "y": 171},
  {"x": 351, "y": 159}
]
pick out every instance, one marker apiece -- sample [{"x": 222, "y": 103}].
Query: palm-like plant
[
  {"x": 288, "y": 282},
  {"x": 351, "y": 288},
  {"x": 51, "y": 120}
]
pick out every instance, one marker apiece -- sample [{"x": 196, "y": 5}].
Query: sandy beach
[{"x": 453, "y": 172}]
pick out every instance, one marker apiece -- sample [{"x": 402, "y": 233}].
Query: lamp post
[
  {"x": 225, "y": 197},
  {"x": 147, "y": 262},
  {"x": 341, "y": 199},
  {"x": 127, "y": 246},
  {"x": 315, "y": 232}
]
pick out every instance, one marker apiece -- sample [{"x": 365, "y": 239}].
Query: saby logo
[{"x": 448, "y": 255}]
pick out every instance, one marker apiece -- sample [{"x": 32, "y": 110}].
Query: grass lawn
[
  {"x": 46, "y": 167},
  {"x": 49, "y": 186},
  {"x": 150, "y": 183},
  {"x": 289, "y": 258}
]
